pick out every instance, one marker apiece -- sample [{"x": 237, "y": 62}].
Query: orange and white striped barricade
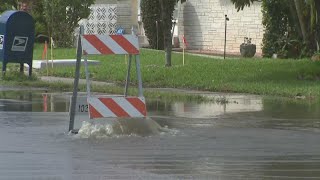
[
  {"x": 117, "y": 107},
  {"x": 114, "y": 106}
]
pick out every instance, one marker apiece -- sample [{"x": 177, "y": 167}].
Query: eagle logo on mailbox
[
  {"x": 19, "y": 43},
  {"x": 1, "y": 41}
]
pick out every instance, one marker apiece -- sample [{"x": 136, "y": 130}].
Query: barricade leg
[
  {"x": 128, "y": 76},
  {"x": 76, "y": 83},
  {"x": 139, "y": 75},
  {"x": 4, "y": 67},
  {"x": 21, "y": 68},
  {"x": 30, "y": 69},
  {"x": 87, "y": 75}
]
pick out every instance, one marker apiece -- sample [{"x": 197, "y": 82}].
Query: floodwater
[{"x": 248, "y": 138}]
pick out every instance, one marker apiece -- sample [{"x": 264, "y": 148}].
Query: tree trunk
[
  {"x": 299, "y": 8},
  {"x": 317, "y": 6},
  {"x": 166, "y": 35},
  {"x": 168, "y": 49},
  {"x": 295, "y": 18}
]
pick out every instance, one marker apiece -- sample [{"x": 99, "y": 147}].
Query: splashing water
[
  {"x": 91, "y": 130},
  {"x": 103, "y": 128}
]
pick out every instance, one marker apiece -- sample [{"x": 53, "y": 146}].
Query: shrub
[
  {"x": 282, "y": 30},
  {"x": 62, "y": 17},
  {"x": 151, "y": 15}
]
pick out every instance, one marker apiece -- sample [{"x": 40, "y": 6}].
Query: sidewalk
[
  {"x": 42, "y": 64},
  {"x": 213, "y": 54},
  {"x": 71, "y": 81},
  {"x": 100, "y": 83}
]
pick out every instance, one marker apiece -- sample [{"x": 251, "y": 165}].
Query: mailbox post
[{"x": 16, "y": 39}]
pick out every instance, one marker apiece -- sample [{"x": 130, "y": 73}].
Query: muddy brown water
[{"x": 250, "y": 137}]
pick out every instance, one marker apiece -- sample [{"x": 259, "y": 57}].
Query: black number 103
[{"x": 83, "y": 108}]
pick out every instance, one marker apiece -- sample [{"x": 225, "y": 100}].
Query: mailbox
[{"x": 16, "y": 39}]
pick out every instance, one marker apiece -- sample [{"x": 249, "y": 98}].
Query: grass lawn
[
  {"x": 257, "y": 76},
  {"x": 279, "y": 77}
]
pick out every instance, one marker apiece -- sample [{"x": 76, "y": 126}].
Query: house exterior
[{"x": 202, "y": 22}]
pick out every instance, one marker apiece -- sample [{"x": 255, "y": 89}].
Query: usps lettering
[
  {"x": 1, "y": 41},
  {"x": 19, "y": 43}
]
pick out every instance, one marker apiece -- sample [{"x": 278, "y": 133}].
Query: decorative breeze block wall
[{"x": 102, "y": 20}]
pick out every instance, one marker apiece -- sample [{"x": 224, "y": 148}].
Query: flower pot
[
  {"x": 315, "y": 57},
  {"x": 247, "y": 50},
  {"x": 274, "y": 56}
]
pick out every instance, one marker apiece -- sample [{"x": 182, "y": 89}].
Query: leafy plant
[
  {"x": 157, "y": 16},
  {"x": 37, "y": 12},
  {"x": 151, "y": 17},
  {"x": 240, "y": 4},
  {"x": 62, "y": 17},
  {"x": 288, "y": 48},
  {"x": 281, "y": 36},
  {"x": 8, "y": 5}
]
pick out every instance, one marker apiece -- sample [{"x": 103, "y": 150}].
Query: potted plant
[
  {"x": 247, "y": 49},
  {"x": 316, "y": 56}
]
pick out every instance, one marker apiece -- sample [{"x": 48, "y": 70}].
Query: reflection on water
[
  {"x": 239, "y": 111},
  {"x": 31, "y": 101},
  {"x": 276, "y": 110},
  {"x": 250, "y": 137},
  {"x": 207, "y": 110},
  {"x": 294, "y": 109},
  {"x": 53, "y": 102},
  {"x": 14, "y": 101},
  {"x": 235, "y": 104}
]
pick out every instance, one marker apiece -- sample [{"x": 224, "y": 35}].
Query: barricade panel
[
  {"x": 110, "y": 44},
  {"x": 117, "y": 107}
]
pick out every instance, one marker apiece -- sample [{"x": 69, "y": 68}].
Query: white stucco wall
[
  {"x": 128, "y": 14},
  {"x": 203, "y": 24}
]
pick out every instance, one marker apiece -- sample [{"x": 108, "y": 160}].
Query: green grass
[
  {"x": 15, "y": 78},
  {"x": 278, "y": 77}
]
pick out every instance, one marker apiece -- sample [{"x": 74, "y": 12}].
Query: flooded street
[{"x": 248, "y": 138}]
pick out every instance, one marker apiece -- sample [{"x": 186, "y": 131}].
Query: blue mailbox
[{"x": 16, "y": 39}]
